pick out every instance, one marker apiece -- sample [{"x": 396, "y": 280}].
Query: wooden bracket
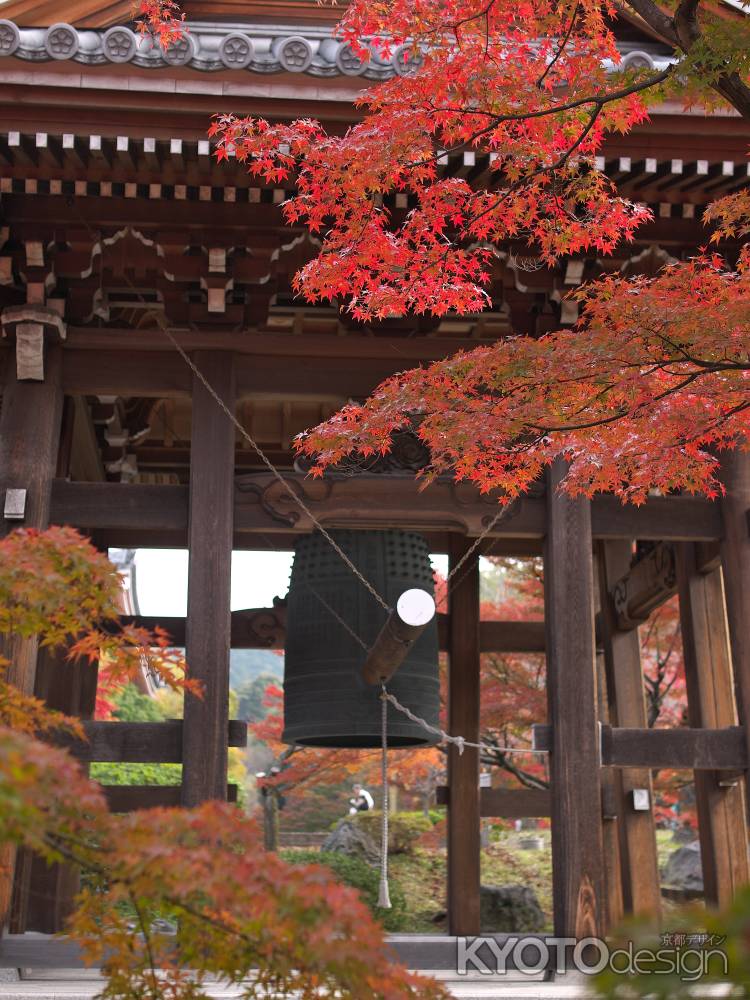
[
  {"x": 32, "y": 325},
  {"x": 650, "y": 582}
]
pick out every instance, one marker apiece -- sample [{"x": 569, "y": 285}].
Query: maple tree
[
  {"x": 297, "y": 769},
  {"x": 290, "y": 928},
  {"x": 651, "y": 379}
]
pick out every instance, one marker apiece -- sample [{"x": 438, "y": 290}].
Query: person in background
[{"x": 361, "y": 801}]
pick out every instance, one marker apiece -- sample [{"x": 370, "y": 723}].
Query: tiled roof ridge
[{"x": 211, "y": 47}]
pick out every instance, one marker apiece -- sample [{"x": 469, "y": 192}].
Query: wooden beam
[
  {"x": 140, "y": 742},
  {"x": 326, "y": 347},
  {"x": 658, "y": 519},
  {"x": 577, "y": 848},
  {"x": 124, "y": 373},
  {"x": 365, "y": 501},
  {"x": 678, "y": 749},
  {"x": 512, "y": 637},
  {"x": 636, "y": 829},
  {"x": 130, "y": 798},
  {"x": 711, "y": 704},
  {"x": 208, "y": 629},
  {"x": 686, "y": 749},
  {"x": 506, "y": 803},
  {"x": 463, "y": 769},
  {"x": 644, "y": 586},
  {"x": 265, "y": 628},
  {"x": 114, "y": 506}
]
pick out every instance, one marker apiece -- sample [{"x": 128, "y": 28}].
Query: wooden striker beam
[
  {"x": 208, "y": 627},
  {"x": 577, "y": 849},
  {"x": 463, "y": 769}
]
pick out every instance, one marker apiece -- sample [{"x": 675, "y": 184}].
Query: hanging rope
[
  {"x": 502, "y": 513},
  {"x": 272, "y": 468},
  {"x": 334, "y": 613},
  {"x": 458, "y": 741},
  {"x": 384, "y": 897},
  {"x": 384, "y": 901}
]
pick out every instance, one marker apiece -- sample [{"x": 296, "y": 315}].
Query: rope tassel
[{"x": 384, "y": 896}]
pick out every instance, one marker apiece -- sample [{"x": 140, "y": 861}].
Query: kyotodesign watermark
[{"x": 689, "y": 956}]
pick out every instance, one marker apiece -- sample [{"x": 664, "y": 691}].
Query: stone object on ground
[
  {"x": 683, "y": 869},
  {"x": 510, "y": 908},
  {"x": 685, "y": 835},
  {"x": 349, "y": 838}
]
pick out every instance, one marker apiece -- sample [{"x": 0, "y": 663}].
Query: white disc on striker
[{"x": 415, "y": 607}]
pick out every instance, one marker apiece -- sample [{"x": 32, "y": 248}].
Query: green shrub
[
  {"x": 360, "y": 876},
  {"x": 136, "y": 774},
  {"x": 404, "y": 828},
  {"x": 131, "y": 705}
]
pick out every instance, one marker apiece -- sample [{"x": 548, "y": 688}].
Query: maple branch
[
  {"x": 474, "y": 17},
  {"x": 600, "y": 100},
  {"x": 655, "y": 18},
  {"x": 502, "y": 760},
  {"x": 683, "y": 31},
  {"x": 560, "y": 48}
]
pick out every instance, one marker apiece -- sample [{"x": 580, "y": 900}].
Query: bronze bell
[{"x": 327, "y": 702}]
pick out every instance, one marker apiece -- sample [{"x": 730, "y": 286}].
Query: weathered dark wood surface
[
  {"x": 687, "y": 749},
  {"x": 129, "y": 798},
  {"x": 368, "y": 502},
  {"x": 577, "y": 849},
  {"x": 711, "y": 703},
  {"x": 735, "y": 565},
  {"x": 265, "y": 628},
  {"x": 636, "y": 831},
  {"x": 67, "y": 687},
  {"x": 643, "y": 587},
  {"x": 30, "y": 427},
  {"x": 506, "y": 803},
  {"x": 141, "y": 742},
  {"x": 208, "y": 628},
  {"x": 613, "y": 909},
  {"x": 657, "y": 519},
  {"x": 463, "y": 769}
]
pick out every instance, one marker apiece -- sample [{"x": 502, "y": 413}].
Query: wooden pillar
[
  {"x": 30, "y": 422},
  {"x": 627, "y": 707},
  {"x": 577, "y": 851},
  {"x": 70, "y": 688},
  {"x": 615, "y": 907},
  {"x": 735, "y": 564},
  {"x": 711, "y": 704},
  {"x": 207, "y": 634},
  {"x": 463, "y": 769}
]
